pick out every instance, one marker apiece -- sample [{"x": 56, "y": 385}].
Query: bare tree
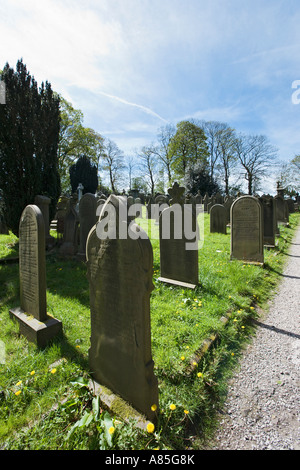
[
  {"x": 164, "y": 150},
  {"x": 148, "y": 164},
  {"x": 225, "y": 143},
  {"x": 113, "y": 163},
  {"x": 131, "y": 164},
  {"x": 255, "y": 155}
]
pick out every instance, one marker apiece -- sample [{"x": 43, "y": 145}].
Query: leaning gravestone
[
  {"x": 218, "y": 219},
  {"x": 120, "y": 277},
  {"x": 247, "y": 230},
  {"x": 35, "y": 324},
  {"x": 87, "y": 219},
  {"x": 178, "y": 263}
]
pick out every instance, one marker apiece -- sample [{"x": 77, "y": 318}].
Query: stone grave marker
[
  {"x": 35, "y": 324},
  {"x": 269, "y": 218},
  {"x": 247, "y": 230},
  {"x": 69, "y": 246},
  {"x": 87, "y": 219},
  {"x": 120, "y": 278},
  {"x": 218, "y": 220},
  {"x": 281, "y": 209},
  {"x": 178, "y": 264},
  {"x": 43, "y": 203}
]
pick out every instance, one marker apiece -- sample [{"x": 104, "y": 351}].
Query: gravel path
[{"x": 262, "y": 410}]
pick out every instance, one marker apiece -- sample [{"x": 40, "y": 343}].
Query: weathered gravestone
[
  {"x": 269, "y": 218},
  {"x": 35, "y": 324},
  {"x": 247, "y": 230},
  {"x": 87, "y": 219},
  {"x": 120, "y": 277},
  {"x": 282, "y": 214},
  {"x": 69, "y": 246},
  {"x": 161, "y": 203},
  {"x": 178, "y": 241},
  {"x": 218, "y": 219},
  {"x": 43, "y": 203}
]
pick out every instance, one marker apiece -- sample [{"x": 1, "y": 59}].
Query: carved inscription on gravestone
[
  {"x": 247, "y": 230},
  {"x": 178, "y": 264},
  {"x": 35, "y": 324},
  {"x": 120, "y": 278},
  {"x": 32, "y": 263}
]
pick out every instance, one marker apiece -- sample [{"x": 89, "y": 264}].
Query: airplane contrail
[{"x": 139, "y": 106}]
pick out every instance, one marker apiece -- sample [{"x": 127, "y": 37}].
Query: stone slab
[
  {"x": 118, "y": 406},
  {"x": 177, "y": 283},
  {"x": 34, "y": 330}
]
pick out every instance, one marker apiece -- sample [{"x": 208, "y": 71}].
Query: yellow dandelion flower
[
  {"x": 182, "y": 358},
  {"x": 232, "y": 354},
  {"x": 150, "y": 427},
  {"x": 154, "y": 407},
  {"x": 251, "y": 308},
  {"x": 53, "y": 371},
  {"x": 32, "y": 372},
  {"x": 234, "y": 319},
  {"x": 19, "y": 383},
  {"x": 194, "y": 363},
  {"x": 18, "y": 392},
  {"x": 199, "y": 374},
  {"x": 172, "y": 407},
  {"x": 243, "y": 327},
  {"x": 111, "y": 430},
  {"x": 186, "y": 412}
]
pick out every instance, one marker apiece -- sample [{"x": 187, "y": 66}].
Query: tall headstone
[
  {"x": 218, "y": 220},
  {"x": 269, "y": 217},
  {"x": 247, "y": 230},
  {"x": 69, "y": 246},
  {"x": 32, "y": 315},
  {"x": 43, "y": 203},
  {"x": 281, "y": 209},
  {"x": 87, "y": 219},
  {"x": 178, "y": 263},
  {"x": 120, "y": 277}
]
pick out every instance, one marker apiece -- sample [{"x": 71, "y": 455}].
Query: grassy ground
[{"x": 45, "y": 402}]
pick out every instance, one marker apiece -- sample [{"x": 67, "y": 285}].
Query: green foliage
[
  {"x": 84, "y": 172},
  {"x": 199, "y": 180},
  {"x": 75, "y": 140},
  {"x": 188, "y": 147},
  {"x": 29, "y": 132}
]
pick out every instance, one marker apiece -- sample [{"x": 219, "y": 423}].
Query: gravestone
[
  {"x": 43, "y": 203},
  {"x": 120, "y": 278},
  {"x": 35, "y": 324},
  {"x": 269, "y": 219},
  {"x": 61, "y": 210},
  {"x": 161, "y": 203},
  {"x": 227, "y": 204},
  {"x": 247, "y": 230},
  {"x": 87, "y": 219},
  {"x": 69, "y": 246},
  {"x": 218, "y": 220},
  {"x": 178, "y": 263},
  {"x": 281, "y": 209}
]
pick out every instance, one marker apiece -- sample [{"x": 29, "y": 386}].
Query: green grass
[{"x": 52, "y": 399}]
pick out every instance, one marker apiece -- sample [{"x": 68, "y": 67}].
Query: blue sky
[{"x": 133, "y": 66}]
